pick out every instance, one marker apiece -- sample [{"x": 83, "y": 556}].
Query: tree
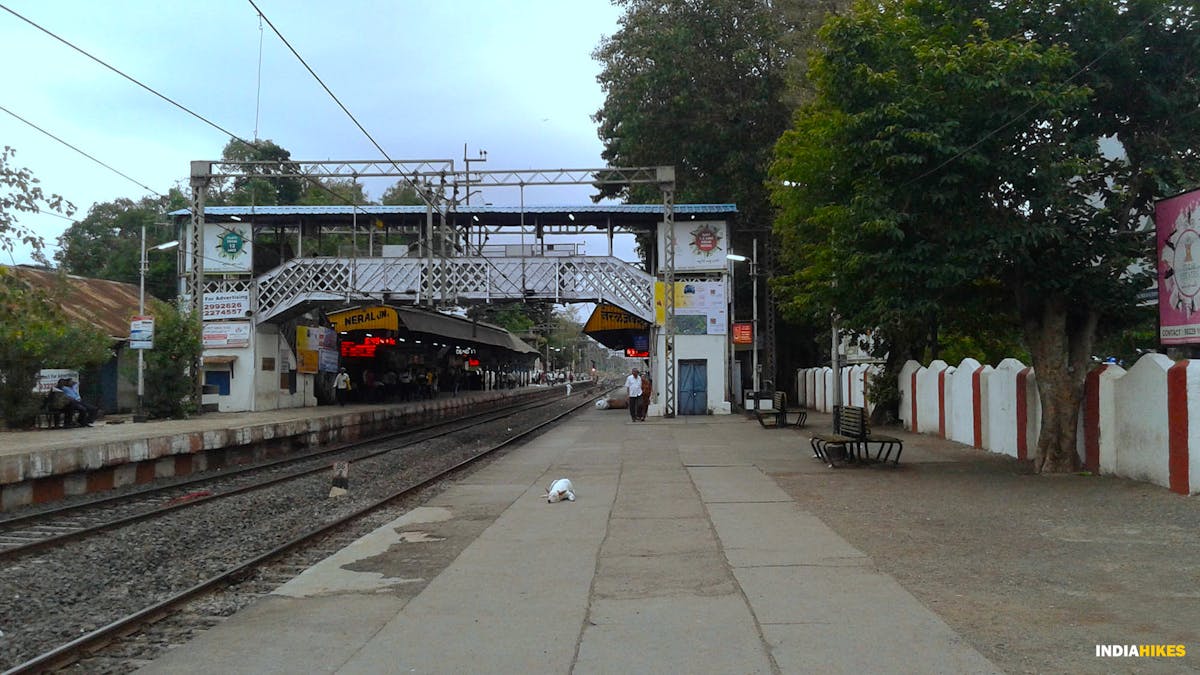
[
  {"x": 107, "y": 244},
  {"x": 34, "y": 334},
  {"x": 19, "y": 192},
  {"x": 258, "y": 186},
  {"x": 697, "y": 85},
  {"x": 703, "y": 85},
  {"x": 402, "y": 193},
  {"x": 333, "y": 192},
  {"x": 937, "y": 155},
  {"x": 169, "y": 386}
]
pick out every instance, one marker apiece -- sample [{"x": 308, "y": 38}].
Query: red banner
[{"x": 743, "y": 333}]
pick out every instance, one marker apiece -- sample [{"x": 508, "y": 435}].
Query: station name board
[{"x": 366, "y": 318}]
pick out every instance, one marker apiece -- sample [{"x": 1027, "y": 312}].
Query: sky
[{"x": 424, "y": 77}]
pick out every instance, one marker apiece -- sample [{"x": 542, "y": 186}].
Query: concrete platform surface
[
  {"x": 680, "y": 555},
  {"x": 45, "y": 465}
]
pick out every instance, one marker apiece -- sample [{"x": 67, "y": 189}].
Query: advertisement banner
[
  {"x": 1177, "y": 221},
  {"x": 316, "y": 349},
  {"x": 231, "y": 305},
  {"x": 743, "y": 333},
  {"x": 141, "y": 332},
  {"x": 307, "y": 361},
  {"x": 226, "y": 334},
  {"x": 699, "y": 245},
  {"x": 48, "y": 378},
  {"x": 227, "y": 248},
  {"x": 701, "y": 307}
]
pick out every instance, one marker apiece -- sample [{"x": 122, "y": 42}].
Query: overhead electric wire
[
  {"x": 361, "y": 128},
  {"x": 122, "y": 74},
  {"x": 312, "y": 180},
  {"x": 252, "y": 144},
  {"x": 119, "y": 173}
]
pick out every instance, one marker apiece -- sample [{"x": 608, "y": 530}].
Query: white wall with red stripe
[
  {"x": 814, "y": 387},
  {"x": 1142, "y": 424}
]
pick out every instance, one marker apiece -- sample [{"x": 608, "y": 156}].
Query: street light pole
[
  {"x": 754, "y": 312},
  {"x": 141, "y": 392},
  {"x": 140, "y": 416}
]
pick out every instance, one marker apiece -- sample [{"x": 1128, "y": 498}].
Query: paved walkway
[{"x": 681, "y": 555}]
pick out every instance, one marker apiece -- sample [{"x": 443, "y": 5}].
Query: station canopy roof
[
  {"x": 616, "y": 328},
  {"x": 598, "y": 216},
  {"x": 387, "y": 317}
]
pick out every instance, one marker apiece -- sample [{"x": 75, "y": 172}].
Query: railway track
[
  {"x": 498, "y": 429},
  {"x": 23, "y": 534}
]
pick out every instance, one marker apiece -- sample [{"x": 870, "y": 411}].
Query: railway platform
[
  {"x": 45, "y": 465},
  {"x": 683, "y": 553}
]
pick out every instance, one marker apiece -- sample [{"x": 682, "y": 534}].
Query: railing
[{"x": 304, "y": 281}]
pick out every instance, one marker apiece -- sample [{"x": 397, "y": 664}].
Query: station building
[{"x": 293, "y": 293}]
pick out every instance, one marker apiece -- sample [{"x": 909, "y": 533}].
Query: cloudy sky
[{"x": 424, "y": 77}]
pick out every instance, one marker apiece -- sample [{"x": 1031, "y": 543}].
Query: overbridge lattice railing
[{"x": 559, "y": 279}]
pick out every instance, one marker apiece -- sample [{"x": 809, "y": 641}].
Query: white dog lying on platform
[{"x": 559, "y": 490}]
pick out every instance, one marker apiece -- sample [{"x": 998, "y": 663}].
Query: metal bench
[
  {"x": 852, "y": 438},
  {"x": 778, "y": 413}
]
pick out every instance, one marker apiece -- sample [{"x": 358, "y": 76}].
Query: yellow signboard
[
  {"x": 610, "y": 317},
  {"x": 307, "y": 360},
  {"x": 365, "y": 318}
]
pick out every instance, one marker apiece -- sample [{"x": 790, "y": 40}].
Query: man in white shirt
[
  {"x": 341, "y": 386},
  {"x": 633, "y": 384}
]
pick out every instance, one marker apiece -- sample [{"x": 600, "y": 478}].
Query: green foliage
[
  {"x": 260, "y": 184},
  {"x": 36, "y": 334},
  {"x": 333, "y": 192},
  {"x": 168, "y": 383},
  {"x": 951, "y": 147},
  {"x": 401, "y": 193},
  {"x": 697, "y": 85},
  {"x": 515, "y": 317},
  {"x": 107, "y": 244},
  {"x": 19, "y": 192}
]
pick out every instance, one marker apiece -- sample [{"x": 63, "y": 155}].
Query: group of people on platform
[
  {"x": 418, "y": 383},
  {"x": 410, "y": 384}
]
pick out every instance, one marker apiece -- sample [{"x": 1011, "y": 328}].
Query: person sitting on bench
[{"x": 85, "y": 414}]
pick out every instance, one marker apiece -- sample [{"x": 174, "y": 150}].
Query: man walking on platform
[
  {"x": 341, "y": 386},
  {"x": 633, "y": 384}
]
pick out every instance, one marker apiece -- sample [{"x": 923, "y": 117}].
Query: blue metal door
[{"x": 693, "y": 387}]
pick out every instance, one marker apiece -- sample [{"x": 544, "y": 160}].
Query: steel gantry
[{"x": 441, "y": 187}]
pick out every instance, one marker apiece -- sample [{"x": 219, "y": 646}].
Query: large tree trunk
[{"x": 1059, "y": 334}]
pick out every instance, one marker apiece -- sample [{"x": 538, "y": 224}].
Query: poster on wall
[
  {"x": 226, "y": 305},
  {"x": 316, "y": 349},
  {"x": 700, "y": 246},
  {"x": 701, "y": 307},
  {"x": 227, "y": 248},
  {"x": 1177, "y": 221},
  {"x": 224, "y": 334}
]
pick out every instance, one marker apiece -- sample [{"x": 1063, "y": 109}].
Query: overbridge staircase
[{"x": 302, "y": 283}]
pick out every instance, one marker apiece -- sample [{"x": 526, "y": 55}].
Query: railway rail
[
  {"x": 27, "y": 532},
  {"x": 188, "y": 555}
]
